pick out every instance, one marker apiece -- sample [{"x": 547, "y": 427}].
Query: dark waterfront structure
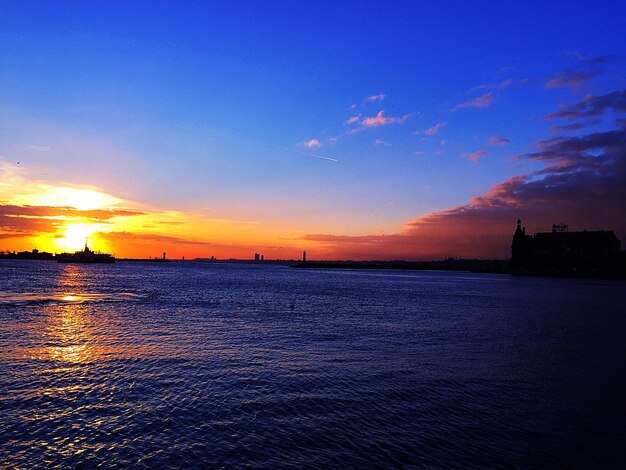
[
  {"x": 34, "y": 254},
  {"x": 561, "y": 251}
]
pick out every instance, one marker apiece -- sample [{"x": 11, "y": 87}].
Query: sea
[{"x": 234, "y": 365}]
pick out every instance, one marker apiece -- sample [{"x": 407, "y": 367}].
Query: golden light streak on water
[{"x": 69, "y": 324}]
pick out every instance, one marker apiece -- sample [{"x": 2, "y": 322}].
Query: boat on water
[{"x": 85, "y": 256}]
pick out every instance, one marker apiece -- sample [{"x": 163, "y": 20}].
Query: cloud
[
  {"x": 375, "y": 98},
  {"x": 353, "y": 120},
  {"x": 433, "y": 129},
  {"x": 498, "y": 140},
  {"x": 585, "y": 69},
  {"x": 17, "y": 234},
  {"x": 312, "y": 143},
  {"x": 482, "y": 101},
  {"x": 38, "y": 148},
  {"x": 570, "y": 79},
  {"x": 65, "y": 212},
  {"x": 26, "y": 226},
  {"x": 29, "y": 220},
  {"x": 381, "y": 120},
  {"x": 506, "y": 83},
  {"x": 130, "y": 236},
  {"x": 355, "y": 130},
  {"x": 570, "y": 127},
  {"x": 378, "y": 142},
  {"x": 475, "y": 156},
  {"x": 592, "y": 106},
  {"x": 596, "y": 60}
]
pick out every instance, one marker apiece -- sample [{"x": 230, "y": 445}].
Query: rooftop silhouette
[{"x": 562, "y": 251}]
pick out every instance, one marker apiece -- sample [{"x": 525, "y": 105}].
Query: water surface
[{"x": 230, "y": 365}]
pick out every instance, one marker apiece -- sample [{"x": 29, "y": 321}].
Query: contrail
[
  {"x": 308, "y": 154},
  {"x": 282, "y": 147},
  {"x": 321, "y": 156}
]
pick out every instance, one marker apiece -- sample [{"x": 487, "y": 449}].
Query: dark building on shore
[
  {"x": 564, "y": 251},
  {"x": 34, "y": 254}
]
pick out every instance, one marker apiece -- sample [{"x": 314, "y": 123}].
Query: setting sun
[{"x": 76, "y": 235}]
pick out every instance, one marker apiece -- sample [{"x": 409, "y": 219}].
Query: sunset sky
[{"x": 354, "y": 130}]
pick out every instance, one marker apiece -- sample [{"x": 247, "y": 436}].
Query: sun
[{"x": 75, "y": 235}]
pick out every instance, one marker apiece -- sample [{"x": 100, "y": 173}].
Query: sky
[{"x": 353, "y": 130}]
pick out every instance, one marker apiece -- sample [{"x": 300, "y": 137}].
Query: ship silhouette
[{"x": 85, "y": 256}]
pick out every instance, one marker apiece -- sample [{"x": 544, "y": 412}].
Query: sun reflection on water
[
  {"x": 68, "y": 335},
  {"x": 69, "y": 338},
  {"x": 69, "y": 332}
]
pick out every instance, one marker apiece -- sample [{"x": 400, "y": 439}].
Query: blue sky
[{"x": 210, "y": 105}]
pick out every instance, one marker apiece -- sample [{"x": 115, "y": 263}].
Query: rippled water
[{"x": 231, "y": 365}]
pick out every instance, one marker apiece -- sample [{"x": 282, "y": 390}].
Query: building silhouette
[{"x": 563, "y": 251}]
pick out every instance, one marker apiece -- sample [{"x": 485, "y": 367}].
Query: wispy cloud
[
  {"x": 38, "y": 148},
  {"x": 375, "y": 98},
  {"x": 378, "y": 142},
  {"x": 355, "y": 130},
  {"x": 498, "y": 140},
  {"x": 571, "y": 79},
  {"x": 475, "y": 156},
  {"x": 592, "y": 106},
  {"x": 126, "y": 236},
  {"x": 581, "y": 73},
  {"x": 46, "y": 219},
  {"x": 482, "y": 101},
  {"x": 571, "y": 127},
  {"x": 506, "y": 83},
  {"x": 381, "y": 120},
  {"x": 312, "y": 143},
  {"x": 594, "y": 60},
  {"x": 433, "y": 129},
  {"x": 353, "y": 120}
]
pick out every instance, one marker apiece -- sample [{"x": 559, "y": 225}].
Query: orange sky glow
[{"x": 59, "y": 218}]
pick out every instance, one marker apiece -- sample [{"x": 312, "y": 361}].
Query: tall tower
[{"x": 520, "y": 245}]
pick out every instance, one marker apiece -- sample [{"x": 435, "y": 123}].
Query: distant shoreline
[
  {"x": 492, "y": 266},
  {"x": 499, "y": 266},
  {"x": 473, "y": 266}
]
